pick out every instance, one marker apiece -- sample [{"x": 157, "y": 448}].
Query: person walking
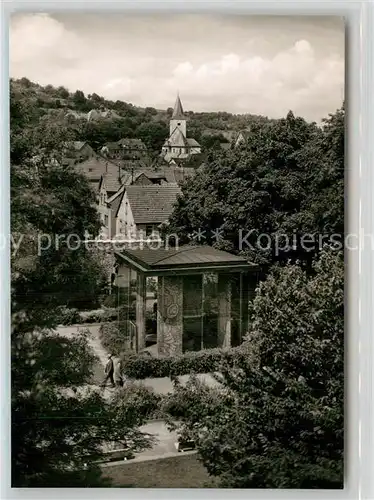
[
  {"x": 118, "y": 379},
  {"x": 109, "y": 371}
]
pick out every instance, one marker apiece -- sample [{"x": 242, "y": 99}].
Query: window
[
  {"x": 200, "y": 312},
  {"x": 106, "y": 220},
  {"x": 178, "y": 124},
  {"x": 148, "y": 230}
]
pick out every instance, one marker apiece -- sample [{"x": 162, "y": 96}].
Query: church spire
[{"x": 178, "y": 109}]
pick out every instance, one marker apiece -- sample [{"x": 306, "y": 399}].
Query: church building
[{"x": 178, "y": 145}]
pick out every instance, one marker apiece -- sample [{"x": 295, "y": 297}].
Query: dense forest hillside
[{"x": 94, "y": 119}]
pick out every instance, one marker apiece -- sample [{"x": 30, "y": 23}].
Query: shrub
[
  {"x": 206, "y": 361},
  {"x": 289, "y": 395},
  {"x": 97, "y": 316},
  {"x": 69, "y": 316},
  {"x": 114, "y": 338}
]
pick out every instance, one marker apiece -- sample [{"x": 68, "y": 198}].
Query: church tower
[
  {"x": 178, "y": 145},
  {"x": 178, "y": 120}
]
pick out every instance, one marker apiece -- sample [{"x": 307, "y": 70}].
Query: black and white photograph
[{"x": 177, "y": 250}]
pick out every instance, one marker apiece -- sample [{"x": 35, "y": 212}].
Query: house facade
[
  {"x": 78, "y": 150},
  {"x": 139, "y": 211},
  {"x": 128, "y": 148}
]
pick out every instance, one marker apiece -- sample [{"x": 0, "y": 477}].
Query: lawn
[{"x": 182, "y": 471}]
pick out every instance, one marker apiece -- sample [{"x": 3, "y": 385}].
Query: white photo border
[{"x": 359, "y": 352}]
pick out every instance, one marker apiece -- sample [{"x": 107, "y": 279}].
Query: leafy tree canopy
[
  {"x": 285, "y": 181},
  {"x": 58, "y": 424}
]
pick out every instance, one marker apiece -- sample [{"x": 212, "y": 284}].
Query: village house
[
  {"x": 178, "y": 145},
  {"x": 138, "y": 211},
  {"x": 93, "y": 168},
  {"x": 109, "y": 185},
  {"x": 242, "y": 137},
  {"x": 150, "y": 178},
  {"x": 97, "y": 114},
  {"x": 78, "y": 150},
  {"x": 127, "y": 148}
]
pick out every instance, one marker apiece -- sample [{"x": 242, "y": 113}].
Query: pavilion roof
[{"x": 184, "y": 259}]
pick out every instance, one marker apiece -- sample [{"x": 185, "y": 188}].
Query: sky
[{"x": 263, "y": 65}]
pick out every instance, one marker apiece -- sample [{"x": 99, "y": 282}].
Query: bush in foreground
[
  {"x": 278, "y": 419},
  {"x": 206, "y": 361}
]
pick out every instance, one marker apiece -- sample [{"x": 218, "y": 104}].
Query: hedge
[
  {"x": 71, "y": 316},
  {"x": 205, "y": 361}
]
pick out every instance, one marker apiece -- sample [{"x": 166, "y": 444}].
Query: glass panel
[
  {"x": 200, "y": 312},
  {"x": 235, "y": 311},
  {"x": 192, "y": 309},
  {"x": 210, "y": 326}
]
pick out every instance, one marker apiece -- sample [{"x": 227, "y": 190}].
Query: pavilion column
[
  {"x": 170, "y": 315},
  {"x": 224, "y": 310},
  {"x": 140, "y": 310}
]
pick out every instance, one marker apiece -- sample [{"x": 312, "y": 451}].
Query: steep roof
[
  {"x": 192, "y": 142},
  {"x": 77, "y": 145},
  {"x": 112, "y": 183},
  {"x": 151, "y": 174},
  {"x": 177, "y": 139},
  {"x": 245, "y": 133},
  {"x": 152, "y": 204},
  {"x": 178, "y": 110},
  {"x": 116, "y": 201},
  {"x": 94, "y": 168}
]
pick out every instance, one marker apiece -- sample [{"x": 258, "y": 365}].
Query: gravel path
[
  {"x": 165, "y": 440},
  {"x": 165, "y": 443}
]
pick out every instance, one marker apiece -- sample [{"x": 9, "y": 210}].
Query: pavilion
[{"x": 203, "y": 295}]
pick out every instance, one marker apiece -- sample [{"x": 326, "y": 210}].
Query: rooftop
[
  {"x": 192, "y": 142},
  {"x": 178, "y": 110},
  {"x": 198, "y": 258},
  {"x": 112, "y": 182},
  {"x": 115, "y": 202},
  {"x": 94, "y": 167},
  {"x": 152, "y": 204}
]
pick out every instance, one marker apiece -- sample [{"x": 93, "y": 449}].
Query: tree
[
  {"x": 212, "y": 141},
  {"x": 324, "y": 160},
  {"x": 79, "y": 100},
  {"x": 96, "y": 98},
  {"x": 277, "y": 421},
  {"x": 63, "y": 92},
  {"x": 267, "y": 193},
  {"x": 59, "y": 426},
  {"x": 153, "y": 134}
]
